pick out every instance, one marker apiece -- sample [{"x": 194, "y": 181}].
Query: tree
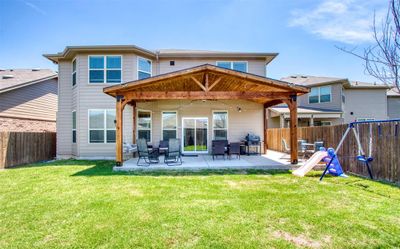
[{"x": 382, "y": 60}]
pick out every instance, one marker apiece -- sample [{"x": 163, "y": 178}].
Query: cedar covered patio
[{"x": 206, "y": 82}]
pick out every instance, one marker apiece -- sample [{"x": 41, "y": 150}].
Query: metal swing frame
[{"x": 361, "y": 155}]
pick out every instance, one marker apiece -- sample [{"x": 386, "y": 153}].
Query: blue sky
[{"x": 303, "y": 32}]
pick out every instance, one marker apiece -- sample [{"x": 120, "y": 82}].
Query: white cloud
[
  {"x": 34, "y": 7},
  {"x": 347, "y": 21}
]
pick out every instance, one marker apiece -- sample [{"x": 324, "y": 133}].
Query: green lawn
[{"x": 82, "y": 204}]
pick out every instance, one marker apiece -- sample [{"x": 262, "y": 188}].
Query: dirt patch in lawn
[{"x": 299, "y": 240}]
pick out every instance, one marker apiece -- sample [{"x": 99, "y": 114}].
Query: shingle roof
[
  {"x": 70, "y": 51},
  {"x": 308, "y": 80},
  {"x": 15, "y": 78},
  {"x": 393, "y": 92},
  {"x": 301, "y": 109}
]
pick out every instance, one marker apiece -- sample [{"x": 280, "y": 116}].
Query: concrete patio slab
[{"x": 272, "y": 160}]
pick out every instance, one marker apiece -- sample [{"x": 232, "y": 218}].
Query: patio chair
[
  {"x": 218, "y": 148},
  {"x": 148, "y": 155},
  {"x": 234, "y": 149},
  {"x": 163, "y": 147},
  {"x": 129, "y": 148},
  {"x": 302, "y": 149},
  {"x": 285, "y": 146},
  {"x": 318, "y": 145},
  {"x": 173, "y": 155}
]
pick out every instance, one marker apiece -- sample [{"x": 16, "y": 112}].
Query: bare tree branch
[{"x": 382, "y": 60}]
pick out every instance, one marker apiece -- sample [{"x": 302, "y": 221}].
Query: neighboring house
[
  {"x": 333, "y": 101},
  {"x": 193, "y": 95},
  {"x": 28, "y": 100},
  {"x": 393, "y": 103}
]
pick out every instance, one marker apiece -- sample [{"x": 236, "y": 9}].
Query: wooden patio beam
[
  {"x": 120, "y": 104},
  {"x": 265, "y": 117},
  {"x": 292, "y": 104},
  {"x": 273, "y": 102},
  {"x": 214, "y": 83},
  {"x": 195, "y": 95},
  {"x": 199, "y": 83}
]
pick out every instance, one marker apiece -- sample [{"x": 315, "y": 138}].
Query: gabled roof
[
  {"x": 305, "y": 112},
  {"x": 308, "y": 80},
  {"x": 221, "y": 83},
  {"x": 393, "y": 92},
  {"x": 11, "y": 79},
  {"x": 71, "y": 51}
]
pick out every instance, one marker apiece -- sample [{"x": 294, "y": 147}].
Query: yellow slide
[{"x": 310, "y": 163}]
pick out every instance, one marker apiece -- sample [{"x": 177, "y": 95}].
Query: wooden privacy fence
[
  {"x": 385, "y": 146},
  {"x": 17, "y": 148}
]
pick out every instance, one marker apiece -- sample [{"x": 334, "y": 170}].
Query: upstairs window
[
  {"x": 234, "y": 65},
  {"x": 74, "y": 72},
  {"x": 144, "y": 68},
  {"x": 105, "y": 69},
  {"x": 220, "y": 125},
  {"x": 321, "y": 94}
]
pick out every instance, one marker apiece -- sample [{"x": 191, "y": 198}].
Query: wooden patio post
[
  {"x": 292, "y": 104},
  {"x": 265, "y": 129},
  {"x": 118, "y": 130},
  {"x": 133, "y": 103}
]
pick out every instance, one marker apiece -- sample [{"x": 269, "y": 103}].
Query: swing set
[{"x": 362, "y": 157}]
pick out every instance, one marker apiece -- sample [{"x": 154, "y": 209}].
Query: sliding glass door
[{"x": 194, "y": 134}]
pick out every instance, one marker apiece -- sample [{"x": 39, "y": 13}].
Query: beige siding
[
  {"x": 257, "y": 67},
  {"x": 249, "y": 120},
  {"x": 393, "y": 107},
  {"x": 365, "y": 103},
  {"x": 85, "y": 96},
  {"x": 37, "y": 101},
  {"x": 64, "y": 114},
  {"x": 335, "y": 104},
  {"x": 91, "y": 96}
]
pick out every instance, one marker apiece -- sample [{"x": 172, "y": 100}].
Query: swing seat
[{"x": 364, "y": 159}]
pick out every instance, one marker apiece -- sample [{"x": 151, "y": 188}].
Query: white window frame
[
  {"x": 105, "y": 125},
  {"x": 146, "y": 129},
  {"x": 74, "y": 111},
  {"x": 104, "y": 69},
  {"x": 138, "y": 70},
  {"x": 220, "y": 129},
  {"x": 231, "y": 62},
  {"x": 162, "y": 124},
  {"x": 319, "y": 95},
  {"x": 74, "y": 73}
]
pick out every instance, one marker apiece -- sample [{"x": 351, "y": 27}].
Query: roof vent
[
  {"x": 35, "y": 69},
  {"x": 293, "y": 76},
  {"x": 356, "y": 83},
  {"x": 304, "y": 77},
  {"x": 8, "y": 76},
  {"x": 2, "y": 70}
]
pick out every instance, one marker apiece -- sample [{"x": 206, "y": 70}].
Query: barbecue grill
[{"x": 253, "y": 144}]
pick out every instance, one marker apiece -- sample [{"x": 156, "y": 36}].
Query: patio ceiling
[{"x": 206, "y": 82}]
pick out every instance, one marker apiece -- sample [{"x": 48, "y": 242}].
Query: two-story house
[
  {"x": 333, "y": 101},
  {"x": 110, "y": 94}
]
